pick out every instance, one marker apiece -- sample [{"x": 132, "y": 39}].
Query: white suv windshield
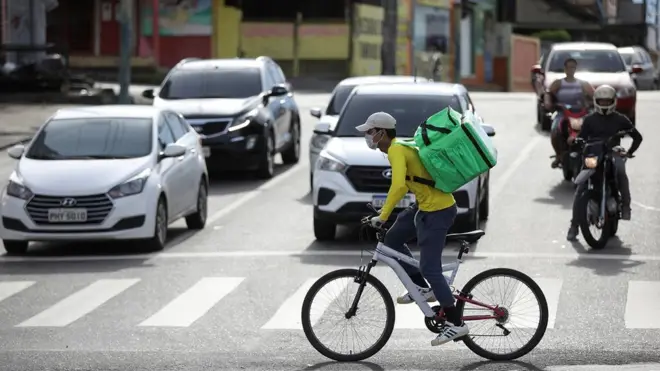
[
  {"x": 102, "y": 138},
  {"x": 408, "y": 110}
]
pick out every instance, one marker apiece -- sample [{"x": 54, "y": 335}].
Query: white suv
[{"x": 348, "y": 174}]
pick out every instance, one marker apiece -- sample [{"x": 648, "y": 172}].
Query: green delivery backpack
[{"x": 453, "y": 148}]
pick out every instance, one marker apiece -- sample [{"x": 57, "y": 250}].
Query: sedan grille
[{"x": 97, "y": 208}]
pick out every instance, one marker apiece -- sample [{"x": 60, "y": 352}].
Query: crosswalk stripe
[
  {"x": 523, "y": 302},
  {"x": 643, "y": 305},
  {"x": 409, "y": 316},
  {"x": 80, "y": 303},
  {"x": 287, "y": 316},
  {"x": 11, "y": 288},
  {"x": 188, "y": 307}
]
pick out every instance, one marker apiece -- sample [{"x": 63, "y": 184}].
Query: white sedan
[{"x": 105, "y": 173}]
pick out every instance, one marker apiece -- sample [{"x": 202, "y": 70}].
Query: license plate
[
  {"x": 67, "y": 215},
  {"x": 379, "y": 200},
  {"x": 206, "y": 151}
]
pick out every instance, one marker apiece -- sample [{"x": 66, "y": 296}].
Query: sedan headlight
[
  {"x": 329, "y": 164},
  {"x": 625, "y": 92},
  {"x": 319, "y": 141},
  {"x": 15, "y": 189},
  {"x": 132, "y": 186}
]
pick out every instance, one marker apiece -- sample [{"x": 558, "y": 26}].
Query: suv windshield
[
  {"x": 95, "y": 138},
  {"x": 212, "y": 83},
  {"x": 338, "y": 99},
  {"x": 408, "y": 110},
  {"x": 588, "y": 60},
  {"x": 627, "y": 59}
]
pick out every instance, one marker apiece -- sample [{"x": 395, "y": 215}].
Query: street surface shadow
[
  {"x": 560, "y": 194},
  {"x": 224, "y": 183},
  {"x": 71, "y": 267},
  {"x": 306, "y": 199},
  {"x": 500, "y": 365},
  {"x": 348, "y": 366},
  {"x": 540, "y": 131},
  {"x": 606, "y": 267}
]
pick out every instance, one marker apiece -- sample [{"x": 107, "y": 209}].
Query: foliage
[{"x": 553, "y": 35}]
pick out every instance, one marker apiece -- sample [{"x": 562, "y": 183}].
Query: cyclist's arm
[{"x": 398, "y": 189}]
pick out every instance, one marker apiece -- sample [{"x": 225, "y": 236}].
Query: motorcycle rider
[
  {"x": 604, "y": 123},
  {"x": 568, "y": 90},
  {"x": 429, "y": 220}
]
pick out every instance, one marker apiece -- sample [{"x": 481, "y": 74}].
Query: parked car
[
  {"x": 598, "y": 64},
  {"x": 349, "y": 175},
  {"x": 243, "y": 109},
  {"x": 635, "y": 57},
  {"x": 339, "y": 95},
  {"x": 105, "y": 173}
]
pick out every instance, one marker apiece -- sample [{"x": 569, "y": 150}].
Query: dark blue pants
[{"x": 431, "y": 230}]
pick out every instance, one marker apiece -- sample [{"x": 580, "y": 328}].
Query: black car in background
[{"x": 243, "y": 109}]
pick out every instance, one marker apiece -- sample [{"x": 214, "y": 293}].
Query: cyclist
[
  {"x": 604, "y": 123},
  {"x": 429, "y": 219},
  {"x": 568, "y": 90}
]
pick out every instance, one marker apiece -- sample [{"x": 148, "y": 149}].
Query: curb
[{"x": 100, "y": 97}]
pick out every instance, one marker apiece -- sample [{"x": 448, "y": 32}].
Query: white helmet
[{"x": 604, "y": 99}]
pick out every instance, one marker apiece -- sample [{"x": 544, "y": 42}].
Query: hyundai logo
[
  {"x": 387, "y": 173},
  {"x": 68, "y": 202}
]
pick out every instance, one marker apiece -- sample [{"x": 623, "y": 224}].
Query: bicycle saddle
[{"x": 469, "y": 237}]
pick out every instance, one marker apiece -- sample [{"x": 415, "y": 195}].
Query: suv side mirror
[
  {"x": 149, "y": 94},
  {"x": 489, "y": 129},
  {"x": 16, "y": 151},
  {"x": 278, "y": 90},
  {"x": 322, "y": 128},
  {"x": 315, "y": 112},
  {"x": 537, "y": 69}
]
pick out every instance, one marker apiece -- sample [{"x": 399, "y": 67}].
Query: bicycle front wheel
[
  {"x": 347, "y": 339},
  {"x": 520, "y": 319}
]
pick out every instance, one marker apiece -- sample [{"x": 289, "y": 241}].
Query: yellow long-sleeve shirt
[{"x": 405, "y": 161}]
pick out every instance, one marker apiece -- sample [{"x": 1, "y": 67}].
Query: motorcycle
[
  {"x": 600, "y": 202},
  {"x": 572, "y": 122}
]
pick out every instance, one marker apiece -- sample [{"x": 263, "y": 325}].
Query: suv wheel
[
  {"x": 292, "y": 154},
  {"x": 484, "y": 205},
  {"x": 267, "y": 163},
  {"x": 324, "y": 230}
]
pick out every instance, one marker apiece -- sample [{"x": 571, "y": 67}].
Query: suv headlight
[
  {"x": 319, "y": 141},
  {"x": 132, "y": 186},
  {"x": 329, "y": 164},
  {"x": 15, "y": 189},
  {"x": 243, "y": 121},
  {"x": 625, "y": 92}
]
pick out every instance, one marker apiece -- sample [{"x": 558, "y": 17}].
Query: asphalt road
[{"x": 228, "y": 297}]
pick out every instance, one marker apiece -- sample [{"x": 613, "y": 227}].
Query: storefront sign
[{"x": 179, "y": 18}]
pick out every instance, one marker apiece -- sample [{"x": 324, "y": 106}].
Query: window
[
  {"x": 269, "y": 78},
  {"x": 408, "y": 110},
  {"x": 338, "y": 99},
  {"x": 627, "y": 58},
  {"x": 279, "y": 74},
  {"x": 93, "y": 138},
  {"x": 221, "y": 82},
  {"x": 470, "y": 102},
  {"x": 463, "y": 102},
  {"x": 276, "y": 73},
  {"x": 175, "y": 126},
  {"x": 165, "y": 135},
  {"x": 588, "y": 60}
]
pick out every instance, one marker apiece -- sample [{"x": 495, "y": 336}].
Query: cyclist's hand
[{"x": 376, "y": 221}]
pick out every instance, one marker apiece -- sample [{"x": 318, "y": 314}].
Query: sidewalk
[{"x": 19, "y": 122}]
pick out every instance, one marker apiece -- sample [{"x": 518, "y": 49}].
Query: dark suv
[{"x": 243, "y": 109}]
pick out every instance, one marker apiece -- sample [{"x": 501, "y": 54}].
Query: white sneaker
[
  {"x": 427, "y": 293},
  {"x": 449, "y": 333}
]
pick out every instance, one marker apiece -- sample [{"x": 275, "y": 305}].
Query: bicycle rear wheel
[
  {"x": 358, "y": 348},
  {"x": 514, "y": 311}
]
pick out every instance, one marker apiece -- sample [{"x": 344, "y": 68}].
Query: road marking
[
  {"x": 502, "y": 180},
  {"x": 521, "y": 305},
  {"x": 287, "y": 316},
  {"x": 249, "y": 196},
  {"x": 643, "y": 305},
  {"x": 11, "y": 288},
  {"x": 77, "y": 305},
  {"x": 646, "y": 207},
  {"x": 151, "y": 258},
  {"x": 188, "y": 307}
]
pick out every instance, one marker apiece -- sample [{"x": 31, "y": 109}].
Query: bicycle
[{"x": 433, "y": 316}]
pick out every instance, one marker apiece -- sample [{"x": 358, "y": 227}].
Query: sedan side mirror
[
  {"x": 489, "y": 129},
  {"x": 322, "y": 128},
  {"x": 173, "y": 150},
  {"x": 315, "y": 112},
  {"x": 16, "y": 151},
  {"x": 149, "y": 94}
]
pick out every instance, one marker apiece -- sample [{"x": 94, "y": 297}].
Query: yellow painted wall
[
  {"x": 274, "y": 40},
  {"x": 367, "y": 40},
  {"x": 324, "y": 41},
  {"x": 226, "y": 28}
]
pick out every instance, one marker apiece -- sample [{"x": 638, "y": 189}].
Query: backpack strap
[
  {"x": 425, "y": 127},
  {"x": 424, "y": 181}
]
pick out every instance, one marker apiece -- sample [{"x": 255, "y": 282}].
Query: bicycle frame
[{"x": 391, "y": 258}]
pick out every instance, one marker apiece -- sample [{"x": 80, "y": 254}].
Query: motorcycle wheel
[
  {"x": 596, "y": 244},
  {"x": 615, "y": 226}
]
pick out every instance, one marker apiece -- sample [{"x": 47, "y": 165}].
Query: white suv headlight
[
  {"x": 18, "y": 190},
  {"x": 329, "y": 164},
  {"x": 132, "y": 186}
]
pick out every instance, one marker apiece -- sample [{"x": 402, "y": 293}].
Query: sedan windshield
[
  {"x": 218, "y": 83},
  {"x": 604, "y": 61},
  {"x": 408, "y": 110},
  {"x": 95, "y": 138},
  {"x": 338, "y": 99}
]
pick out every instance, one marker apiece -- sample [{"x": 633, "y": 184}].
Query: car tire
[
  {"x": 324, "y": 230},
  {"x": 311, "y": 182},
  {"x": 473, "y": 216},
  {"x": 266, "y": 168},
  {"x": 544, "y": 120},
  {"x": 197, "y": 220},
  {"x": 292, "y": 154},
  {"x": 157, "y": 242},
  {"x": 484, "y": 205},
  {"x": 15, "y": 247}
]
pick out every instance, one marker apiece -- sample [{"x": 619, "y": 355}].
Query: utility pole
[
  {"x": 411, "y": 32},
  {"x": 126, "y": 43}
]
